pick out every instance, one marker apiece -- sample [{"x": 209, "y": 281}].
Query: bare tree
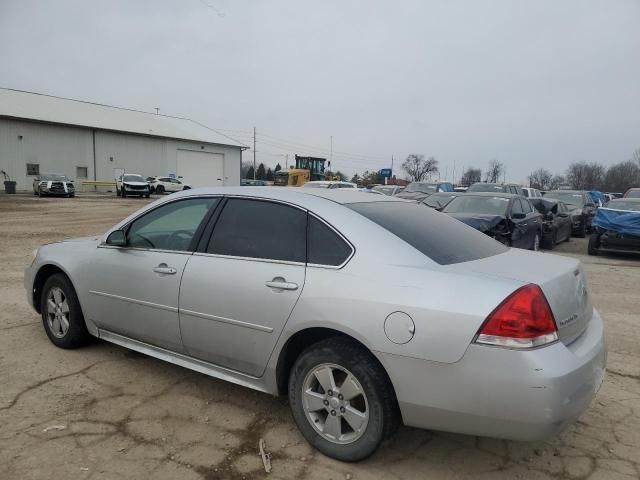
[
  {"x": 494, "y": 172},
  {"x": 418, "y": 168},
  {"x": 556, "y": 181},
  {"x": 540, "y": 179},
  {"x": 636, "y": 156},
  {"x": 585, "y": 176},
  {"x": 621, "y": 176},
  {"x": 471, "y": 176}
]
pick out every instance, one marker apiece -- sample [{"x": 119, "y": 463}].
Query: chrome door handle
[
  {"x": 163, "y": 268},
  {"x": 281, "y": 284}
]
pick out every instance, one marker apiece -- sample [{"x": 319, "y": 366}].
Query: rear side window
[
  {"x": 443, "y": 239},
  {"x": 260, "y": 229},
  {"x": 516, "y": 206},
  {"x": 325, "y": 247}
]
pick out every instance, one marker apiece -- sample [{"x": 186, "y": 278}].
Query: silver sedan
[{"x": 366, "y": 310}]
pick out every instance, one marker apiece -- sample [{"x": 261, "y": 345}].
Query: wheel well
[
  {"x": 41, "y": 277},
  {"x": 299, "y": 342}
]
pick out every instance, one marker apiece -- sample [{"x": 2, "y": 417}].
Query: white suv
[{"x": 160, "y": 185}]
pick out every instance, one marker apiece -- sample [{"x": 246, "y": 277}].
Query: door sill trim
[{"x": 185, "y": 361}]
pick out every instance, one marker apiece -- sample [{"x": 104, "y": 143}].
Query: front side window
[
  {"x": 325, "y": 247},
  {"x": 516, "y": 206},
  {"x": 171, "y": 226},
  {"x": 260, "y": 229}
]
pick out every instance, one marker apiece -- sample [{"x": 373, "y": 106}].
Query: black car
[
  {"x": 617, "y": 227},
  {"x": 508, "y": 218},
  {"x": 418, "y": 191},
  {"x": 496, "y": 188},
  {"x": 581, "y": 206},
  {"x": 439, "y": 200},
  {"x": 556, "y": 221}
]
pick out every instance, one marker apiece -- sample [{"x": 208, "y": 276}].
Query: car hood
[
  {"x": 137, "y": 184},
  {"x": 482, "y": 222},
  {"x": 93, "y": 239},
  {"x": 412, "y": 195}
]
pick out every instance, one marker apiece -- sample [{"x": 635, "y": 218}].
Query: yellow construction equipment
[{"x": 307, "y": 169}]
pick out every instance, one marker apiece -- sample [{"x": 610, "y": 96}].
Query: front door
[
  {"x": 236, "y": 297},
  {"x": 520, "y": 233},
  {"x": 134, "y": 291}
]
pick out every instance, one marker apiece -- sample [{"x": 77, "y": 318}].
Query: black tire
[
  {"x": 77, "y": 334},
  {"x": 549, "y": 242},
  {"x": 147, "y": 195},
  {"x": 582, "y": 231},
  {"x": 160, "y": 190},
  {"x": 72, "y": 195},
  {"x": 594, "y": 244},
  {"x": 186, "y": 188},
  {"x": 382, "y": 406},
  {"x": 35, "y": 192},
  {"x": 122, "y": 191}
]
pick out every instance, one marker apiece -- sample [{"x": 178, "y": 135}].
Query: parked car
[
  {"x": 556, "y": 221},
  {"x": 581, "y": 206},
  {"x": 253, "y": 183},
  {"x": 132, "y": 184},
  {"x": 388, "y": 189},
  {"x": 632, "y": 193},
  {"x": 357, "y": 345},
  {"x": 616, "y": 227},
  {"x": 54, "y": 184},
  {"x": 161, "y": 185},
  {"x": 439, "y": 200},
  {"x": 418, "y": 191},
  {"x": 330, "y": 184},
  {"x": 496, "y": 188},
  {"x": 508, "y": 218},
  {"x": 531, "y": 192},
  {"x": 460, "y": 189}
]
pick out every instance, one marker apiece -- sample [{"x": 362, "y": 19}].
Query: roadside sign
[{"x": 385, "y": 172}]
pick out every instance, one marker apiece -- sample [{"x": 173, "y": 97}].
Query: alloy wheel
[
  {"x": 57, "y": 312},
  {"x": 335, "y": 403}
]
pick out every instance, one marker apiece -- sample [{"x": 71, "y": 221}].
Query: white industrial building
[{"x": 44, "y": 134}]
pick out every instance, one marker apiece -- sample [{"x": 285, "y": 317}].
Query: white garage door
[{"x": 201, "y": 169}]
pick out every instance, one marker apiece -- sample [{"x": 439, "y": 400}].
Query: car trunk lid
[{"x": 561, "y": 279}]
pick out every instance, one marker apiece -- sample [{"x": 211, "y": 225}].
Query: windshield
[
  {"x": 440, "y": 237},
  {"x": 55, "y": 178},
  {"x": 624, "y": 205},
  {"x": 421, "y": 187},
  {"x": 576, "y": 199},
  {"x": 133, "y": 178},
  {"x": 485, "y": 187},
  {"x": 635, "y": 193},
  {"x": 438, "y": 200},
  {"x": 477, "y": 204}
]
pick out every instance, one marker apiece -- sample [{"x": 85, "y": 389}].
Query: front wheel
[
  {"x": 342, "y": 400},
  {"x": 160, "y": 190},
  {"x": 549, "y": 241},
  {"x": 61, "y": 313}
]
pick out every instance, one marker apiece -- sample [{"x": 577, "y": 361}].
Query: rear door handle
[
  {"x": 163, "y": 268},
  {"x": 281, "y": 284}
]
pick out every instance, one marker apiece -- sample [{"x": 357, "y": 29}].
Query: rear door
[
  {"x": 534, "y": 223},
  {"x": 239, "y": 290}
]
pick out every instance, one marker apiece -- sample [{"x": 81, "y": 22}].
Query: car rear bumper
[{"x": 496, "y": 392}]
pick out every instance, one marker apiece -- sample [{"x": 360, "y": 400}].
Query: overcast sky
[{"x": 533, "y": 84}]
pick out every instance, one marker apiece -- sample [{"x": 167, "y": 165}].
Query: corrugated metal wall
[{"x": 61, "y": 149}]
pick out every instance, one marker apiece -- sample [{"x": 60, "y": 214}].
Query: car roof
[
  {"x": 292, "y": 194},
  {"x": 633, "y": 200},
  {"x": 565, "y": 191}
]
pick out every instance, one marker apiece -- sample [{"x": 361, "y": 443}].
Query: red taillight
[{"x": 523, "y": 320}]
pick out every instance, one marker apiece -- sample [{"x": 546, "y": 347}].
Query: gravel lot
[{"x": 104, "y": 412}]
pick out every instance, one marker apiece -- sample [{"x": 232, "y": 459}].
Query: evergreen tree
[
  {"x": 269, "y": 175},
  {"x": 278, "y": 168},
  {"x": 249, "y": 173},
  {"x": 261, "y": 174}
]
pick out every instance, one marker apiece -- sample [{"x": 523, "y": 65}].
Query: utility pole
[
  {"x": 454, "y": 172},
  {"x": 157, "y": 111},
  {"x": 286, "y": 162},
  {"x": 254, "y": 153},
  {"x": 331, "y": 154}
]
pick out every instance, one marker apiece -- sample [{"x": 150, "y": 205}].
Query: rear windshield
[
  {"x": 440, "y": 237},
  {"x": 573, "y": 198},
  {"x": 421, "y": 187},
  {"x": 633, "y": 194},
  {"x": 477, "y": 204},
  {"x": 485, "y": 187}
]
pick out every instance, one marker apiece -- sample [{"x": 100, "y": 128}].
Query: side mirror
[
  {"x": 117, "y": 238},
  {"x": 519, "y": 216}
]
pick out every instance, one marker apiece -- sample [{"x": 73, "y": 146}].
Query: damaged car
[
  {"x": 508, "y": 218},
  {"x": 616, "y": 227},
  {"x": 556, "y": 221},
  {"x": 54, "y": 184}
]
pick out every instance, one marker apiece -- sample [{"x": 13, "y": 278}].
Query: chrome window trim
[
  {"x": 248, "y": 259},
  {"x": 140, "y": 249}
]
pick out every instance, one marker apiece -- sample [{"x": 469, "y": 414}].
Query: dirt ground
[{"x": 103, "y": 412}]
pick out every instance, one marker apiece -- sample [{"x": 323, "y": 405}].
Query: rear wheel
[
  {"x": 123, "y": 193},
  {"x": 342, "y": 400},
  {"x": 594, "y": 244},
  {"x": 582, "y": 231},
  {"x": 61, "y": 314},
  {"x": 160, "y": 190},
  {"x": 549, "y": 242},
  {"x": 536, "y": 242}
]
